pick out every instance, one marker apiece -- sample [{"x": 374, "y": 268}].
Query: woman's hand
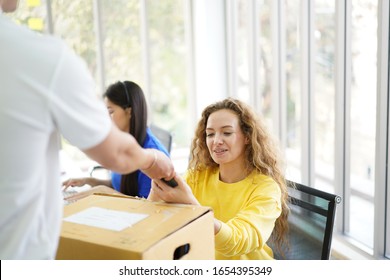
[
  {"x": 179, "y": 194},
  {"x": 79, "y": 182},
  {"x": 75, "y": 182}
]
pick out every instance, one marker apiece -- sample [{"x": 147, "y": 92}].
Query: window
[
  {"x": 324, "y": 104},
  {"x": 73, "y": 22},
  {"x": 324, "y": 93},
  {"x": 122, "y": 42},
  {"x": 293, "y": 88},
  {"x": 362, "y": 121}
]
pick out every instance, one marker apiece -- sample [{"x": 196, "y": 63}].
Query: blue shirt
[{"x": 144, "y": 182}]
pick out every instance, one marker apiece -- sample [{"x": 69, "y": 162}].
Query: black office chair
[
  {"x": 311, "y": 223},
  {"x": 163, "y": 135}
]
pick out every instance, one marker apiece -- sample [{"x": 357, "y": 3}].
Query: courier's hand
[{"x": 161, "y": 166}]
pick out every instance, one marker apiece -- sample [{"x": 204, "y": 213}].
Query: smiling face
[
  {"x": 225, "y": 139},
  {"x": 120, "y": 116}
]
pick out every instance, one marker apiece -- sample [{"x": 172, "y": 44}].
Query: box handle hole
[{"x": 181, "y": 251}]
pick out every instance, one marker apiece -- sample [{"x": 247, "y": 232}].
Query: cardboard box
[{"x": 99, "y": 227}]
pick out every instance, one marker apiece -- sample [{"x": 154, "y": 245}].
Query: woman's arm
[
  {"x": 78, "y": 182},
  {"x": 250, "y": 228}
]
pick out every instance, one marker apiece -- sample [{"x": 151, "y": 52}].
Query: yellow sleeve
[{"x": 250, "y": 229}]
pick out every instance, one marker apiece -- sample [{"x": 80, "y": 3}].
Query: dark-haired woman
[{"x": 127, "y": 107}]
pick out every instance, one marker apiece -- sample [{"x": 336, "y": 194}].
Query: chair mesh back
[
  {"x": 306, "y": 234},
  {"x": 164, "y": 136},
  {"x": 311, "y": 223}
]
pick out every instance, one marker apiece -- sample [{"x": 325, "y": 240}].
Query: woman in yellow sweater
[{"x": 235, "y": 170}]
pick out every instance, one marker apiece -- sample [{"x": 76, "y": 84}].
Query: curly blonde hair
[{"x": 262, "y": 154}]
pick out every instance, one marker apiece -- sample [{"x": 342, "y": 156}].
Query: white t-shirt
[{"x": 45, "y": 90}]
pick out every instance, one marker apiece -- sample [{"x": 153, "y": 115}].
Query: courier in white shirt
[{"x": 46, "y": 90}]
